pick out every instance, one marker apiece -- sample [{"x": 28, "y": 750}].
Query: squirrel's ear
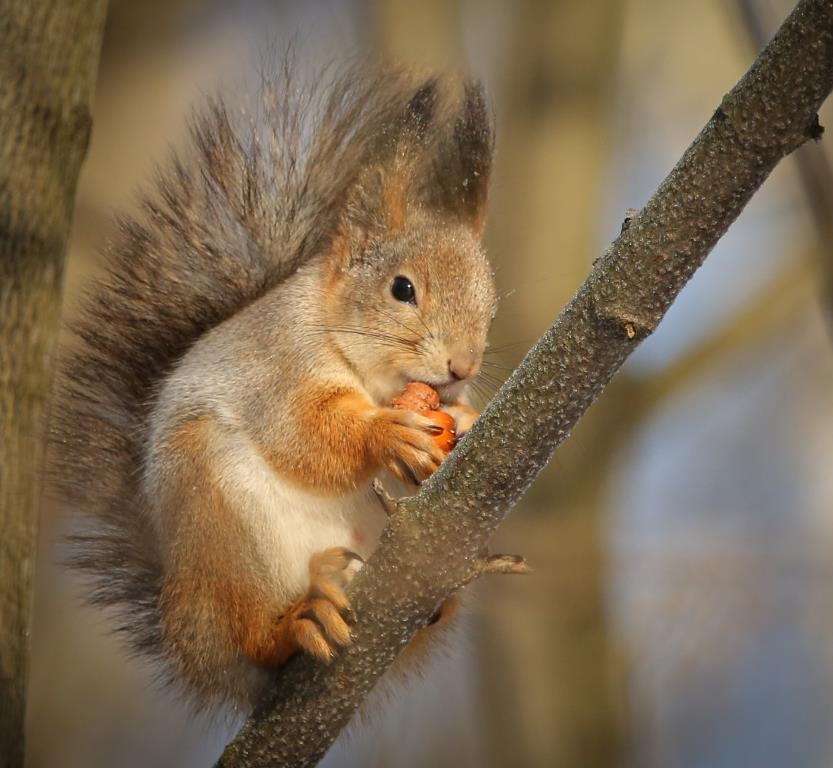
[
  {"x": 376, "y": 205},
  {"x": 457, "y": 184},
  {"x": 377, "y": 201}
]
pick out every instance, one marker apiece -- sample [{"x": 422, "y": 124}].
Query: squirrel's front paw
[
  {"x": 406, "y": 445},
  {"x": 317, "y": 623},
  {"x": 464, "y": 417}
]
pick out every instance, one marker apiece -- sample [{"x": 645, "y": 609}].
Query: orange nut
[
  {"x": 424, "y": 400},
  {"x": 417, "y": 397}
]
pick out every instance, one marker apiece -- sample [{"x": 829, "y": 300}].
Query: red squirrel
[{"x": 229, "y": 406}]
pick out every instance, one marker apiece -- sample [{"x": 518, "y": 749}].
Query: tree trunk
[{"x": 48, "y": 60}]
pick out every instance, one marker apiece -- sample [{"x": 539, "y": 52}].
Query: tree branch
[
  {"x": 436, "y": 541},
  {"x": 48, "y": 60},
  {"x": 815, "y": 172}
]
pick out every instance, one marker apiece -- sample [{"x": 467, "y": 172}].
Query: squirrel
[{"x": 228, "y": 407}]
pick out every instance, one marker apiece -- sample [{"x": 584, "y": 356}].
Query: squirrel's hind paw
[
  {"x": 317, "y": 623},
  {"x": 319, "y": 629},
  {"x": 337, "y": 565}
]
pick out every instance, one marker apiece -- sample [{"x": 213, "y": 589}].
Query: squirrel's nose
[{"x": 463, "y": 364}]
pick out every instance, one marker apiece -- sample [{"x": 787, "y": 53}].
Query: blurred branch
[
  {"x": 815, "y": 170},
  {"x": 556, "y": 147},
  {"x": 765, "y": 312},
  {"x": 48, "y": 59},
  {"x": 435, "y": 541},
  {"x": 632, "y": 399}
]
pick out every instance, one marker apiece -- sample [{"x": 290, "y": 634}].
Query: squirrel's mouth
[{"x": 448, "y": 388}]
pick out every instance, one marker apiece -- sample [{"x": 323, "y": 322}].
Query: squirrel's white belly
[{"x": 290, "y": 524}]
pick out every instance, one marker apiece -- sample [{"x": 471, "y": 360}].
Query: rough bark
[
  {"x": 815, "y": 171},
  {"x": 433, "y": 543},
  {"x": 48, "y": 59}
]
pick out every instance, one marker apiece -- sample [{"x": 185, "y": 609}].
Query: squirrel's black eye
[{"x": 402, "y": 289}]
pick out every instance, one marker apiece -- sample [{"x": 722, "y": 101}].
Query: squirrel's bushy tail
[{"x": 248, "y": 203}]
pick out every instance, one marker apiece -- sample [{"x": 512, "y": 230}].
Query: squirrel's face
[{"x": 415, "y": 307}]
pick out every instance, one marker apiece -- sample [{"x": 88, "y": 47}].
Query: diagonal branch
[
  {"x": 436, "y": 541},
  {"x": 815, "y": 171}
]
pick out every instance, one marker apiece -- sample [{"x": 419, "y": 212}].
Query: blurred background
[{"x": 680, "y": 612}]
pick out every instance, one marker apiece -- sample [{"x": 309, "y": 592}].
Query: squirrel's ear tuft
[
  {"x": 458, "y": 180},
  {"x": 421, "y": 109}
]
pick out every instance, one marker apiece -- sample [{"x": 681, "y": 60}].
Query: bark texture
[
  {"x": 434, "y": 542},
  {"x": 48, "y": 59}
]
